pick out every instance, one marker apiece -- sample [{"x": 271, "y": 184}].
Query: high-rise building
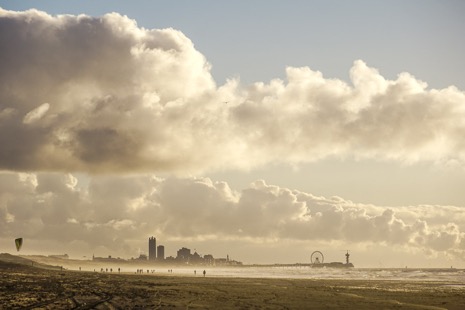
[
  {"x": 183, "y": 254},
  {"x": 152, "y": 248},
  {"x": 160, "y": 252}
]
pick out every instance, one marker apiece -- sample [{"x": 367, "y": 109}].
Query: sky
[{"x": 261, "y": 130}]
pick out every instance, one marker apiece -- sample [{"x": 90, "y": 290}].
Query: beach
[{"x": 27, "y": 287}]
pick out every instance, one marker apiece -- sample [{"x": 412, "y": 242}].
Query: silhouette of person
[
  {"x": 195, "y": 272},
  {"x": 204, "y": 273}
]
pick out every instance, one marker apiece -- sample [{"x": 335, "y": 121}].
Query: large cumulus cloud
[
  {"x": 119, "y": 213},
  {"x": 82, "y": 93},
  {"x": 79, "y": 93}
]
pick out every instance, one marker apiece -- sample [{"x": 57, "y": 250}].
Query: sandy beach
[{"x": 27, "y": 287}]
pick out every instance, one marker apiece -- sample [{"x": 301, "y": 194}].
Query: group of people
[
  {"x": 105, "y": 270},
  {"x": 142, "y": 271},
  {"x": 204, "y": 272}
]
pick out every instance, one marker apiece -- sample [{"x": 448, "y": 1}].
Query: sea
[{"x": 305, "y": 272}]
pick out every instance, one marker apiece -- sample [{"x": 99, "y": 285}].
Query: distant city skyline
[
  {"x": 184, "y": 256},
  {"x": 267, "y": 129}
]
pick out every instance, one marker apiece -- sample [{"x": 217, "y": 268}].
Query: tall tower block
[
  {"x": 152, "y": 248},
  {"x": 160, "y": 252}
]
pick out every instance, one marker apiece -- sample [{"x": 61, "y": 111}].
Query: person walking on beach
[{"x": 204, "y": 273}]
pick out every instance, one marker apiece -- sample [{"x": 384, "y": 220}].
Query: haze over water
[{"x": 444, "y": 275}]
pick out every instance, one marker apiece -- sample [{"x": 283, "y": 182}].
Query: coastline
[{"x": 30, "y": 287}]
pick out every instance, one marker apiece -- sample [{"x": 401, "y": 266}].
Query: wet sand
[{"x": 26, "y": 287}]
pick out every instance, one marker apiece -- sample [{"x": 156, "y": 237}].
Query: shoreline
[{"x": 162, "y": 265}]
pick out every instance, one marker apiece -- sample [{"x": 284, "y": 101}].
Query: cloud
[
  {"x": 115, "y": 94},
  {"x": 119, "y": 213},
  {"x": 36, "y": 114},
  {"x": 79, "y": 93}
]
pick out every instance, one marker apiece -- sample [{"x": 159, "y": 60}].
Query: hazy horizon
[{"x": 263, "y": 131}]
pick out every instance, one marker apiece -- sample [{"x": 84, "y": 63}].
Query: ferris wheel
[{"x": 317, "y": 258}]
